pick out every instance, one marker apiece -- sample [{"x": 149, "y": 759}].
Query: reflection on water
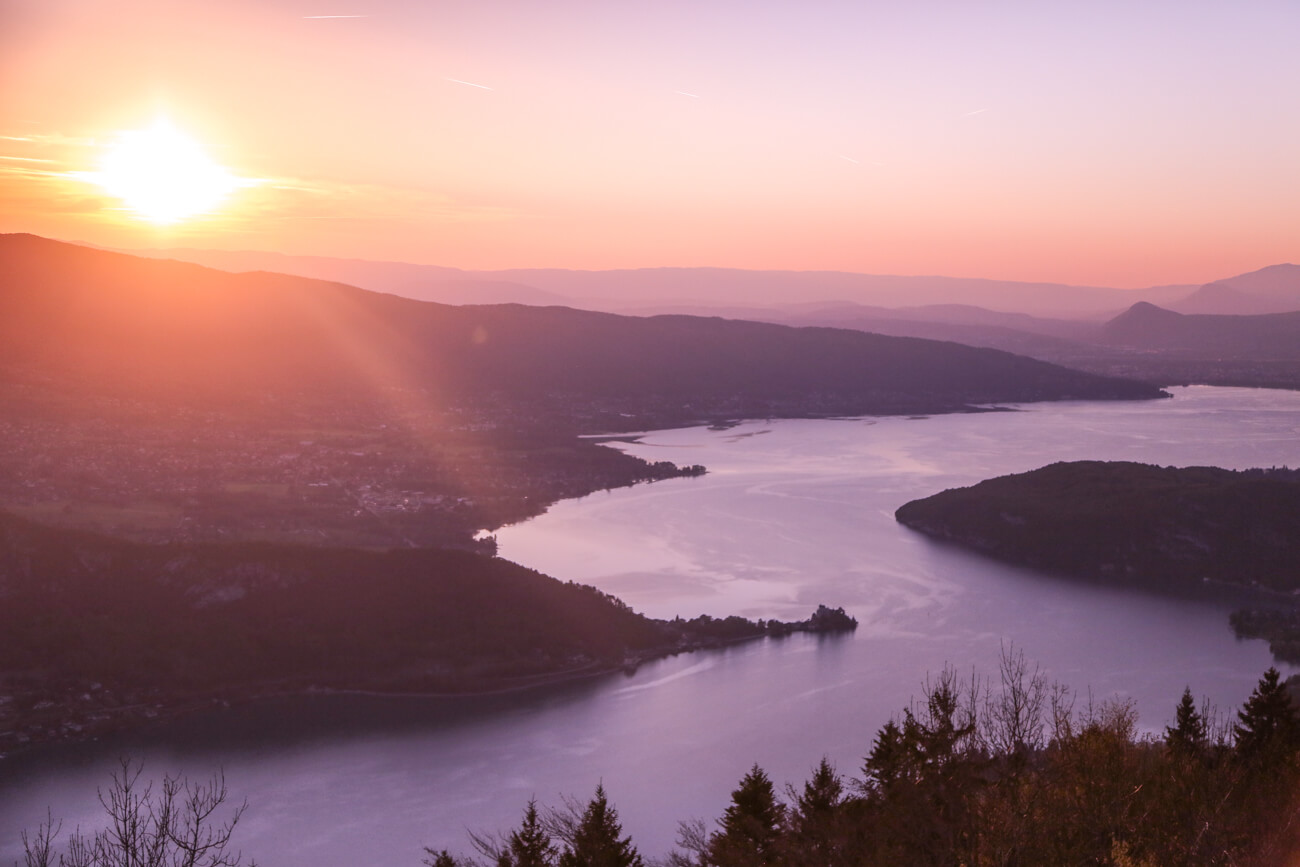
[{"x": 800, "y": 515}]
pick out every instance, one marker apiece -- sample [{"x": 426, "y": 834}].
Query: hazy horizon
[{"x": 1094, "y": 145}]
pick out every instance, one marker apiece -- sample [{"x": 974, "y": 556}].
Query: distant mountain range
[
  {"x": 675, "y": 290},
  {"x": 1265, "y": 336},
  {"x": 1275, "y": 289},
  {"x": 110, "y": 320}
]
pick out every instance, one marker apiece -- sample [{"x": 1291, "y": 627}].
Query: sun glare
[{"x": 163, "y": 175}]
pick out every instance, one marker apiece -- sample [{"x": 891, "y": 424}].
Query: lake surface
[{"x": 791, "y": 514}]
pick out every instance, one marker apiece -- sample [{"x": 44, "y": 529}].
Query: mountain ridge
[{"x": 129, "y": 322}]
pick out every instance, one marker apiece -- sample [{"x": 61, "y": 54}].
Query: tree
[
  {"x": 1188, "y": 734},
  {"x": 821, "y": 795},
  {"x": 530, "y": 846},
  {"x": 890, "y": 761},
  {"x": 751, "y": 825},
  {"x": 174, "y": 827},
  {"x": 1267, "y": 729},
  {"x": 596, "y": 840},
  {"x": 441, "y": 858},
  {"x": 816, "y": 832}
]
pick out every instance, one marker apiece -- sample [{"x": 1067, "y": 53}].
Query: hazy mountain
[
  {"x": 421, "y": 282},
  {"x": 1147, "y": 327},
  {"x": 1220, "y": 298},
  {"x": 1275, "y": 289},
  {"x": 673, "y": 289},
  {"x": 1275, "y": 281},
  {"x": 133, "y": 324}
]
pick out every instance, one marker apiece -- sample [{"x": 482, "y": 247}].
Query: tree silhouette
[
  {"x": 1188, "y": 733},
  {"x": 1267, "y": 727},
  {"x": 751, "y": 825},
  {"x": 596, "y": 840},
  {"x": 530, "y": 845}
]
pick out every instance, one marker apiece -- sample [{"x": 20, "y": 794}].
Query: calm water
[{"x": 792, "y": 513}]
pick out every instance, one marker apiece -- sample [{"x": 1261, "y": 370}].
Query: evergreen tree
[
  {"x": 596, "y": 841},
  {"x": 751, "y": 825},
  {"x": 821, "y": 794},
  {"x": 1188, "y": 733},
  {"x": 890, "y": 760},
  {"x": 441, "y": 858},
  {"x": 816, "y": 833},
  {"x": 530, "y": 846},
  {"x": 1268, "y": 729}
]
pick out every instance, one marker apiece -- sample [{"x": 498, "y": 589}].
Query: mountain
[
  {"x": 144, "y": 326},
  {"x": 1140, "y": 524},
  {"x": 421, "y": 282},
  {"x": 1275, "y": 281},
  {"x": 628, "y": 290},
  {"x": 1269, "y": 336},
  {"x": 1275, "y": 289},
  {"x": 1221, "y": 298}
]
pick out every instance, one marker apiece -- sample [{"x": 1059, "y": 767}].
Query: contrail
[
  {"x": 335, "y": 16},
  {"x": 850, "y": 159},
  {"x": 975, "y": 112},
  {"x": 684, "y": 93},
  {"x": 468, "y": 83}
]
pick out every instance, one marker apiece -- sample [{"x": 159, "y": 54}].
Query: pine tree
[
  {"x": 821, "y": 794},
  {"x": 891, "y": 760},
  {"x": 1188, "y": 733},
  {"x": 1268, "y": 729},
  {"x": 596, "y": 841},
  {"x": 751, "y": 825},
  {"x": 530, "y": 846},
  {"x": 441, "y": 858},
  {"x": 816, "y": 823}
]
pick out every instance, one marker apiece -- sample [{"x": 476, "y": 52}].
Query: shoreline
[{"x": 70, "y": 726}]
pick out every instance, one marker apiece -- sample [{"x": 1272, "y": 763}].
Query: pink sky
[{"x": 1117, "y": 144}]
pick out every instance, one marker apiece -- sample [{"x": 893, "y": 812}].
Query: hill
[
  {"x": 1128, "y": 522},
  {"x": 97, "y": 632},
  {"x": 137, "y": 326}
]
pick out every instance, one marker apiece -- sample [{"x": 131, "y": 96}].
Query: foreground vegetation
[
  {"x": 1006, "y": 774},
  {"x": 975, "y": 773}
]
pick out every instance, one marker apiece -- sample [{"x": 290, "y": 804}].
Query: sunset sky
[{"x": 1104, "y": 143}]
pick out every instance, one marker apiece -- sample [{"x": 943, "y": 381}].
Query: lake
[{"x": 790, "y": 515}]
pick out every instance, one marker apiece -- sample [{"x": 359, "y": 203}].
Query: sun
[{"x": 163, "y": 175}]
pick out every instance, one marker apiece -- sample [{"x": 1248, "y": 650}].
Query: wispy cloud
[
  {"x": 468, "y": 83},
  {"x": 684, "y": 93},
  {"x": 975, "y": 112},
  {"x": 850, "y": 159}
]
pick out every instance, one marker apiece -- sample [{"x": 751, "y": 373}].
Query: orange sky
[{"x": 1089, "y": 143}]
